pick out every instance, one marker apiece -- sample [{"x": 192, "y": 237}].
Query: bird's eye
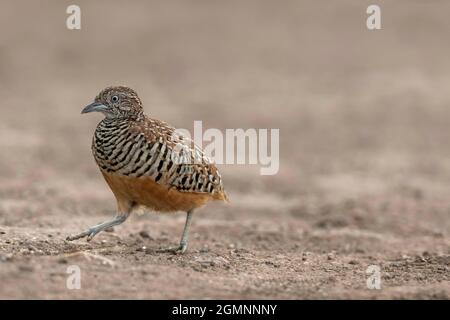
[{"x": 115, "y": 98}]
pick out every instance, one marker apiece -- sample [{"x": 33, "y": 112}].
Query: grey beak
[{"x": 94, "y": 107}]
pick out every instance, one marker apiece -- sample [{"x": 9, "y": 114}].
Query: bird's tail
[{"x": 221, "y": 195}]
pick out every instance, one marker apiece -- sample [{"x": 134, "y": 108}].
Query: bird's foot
[
  {"x": 90, "y": 234},
  {"x": 180, "y": 249},
  {"x": 92, "y": 231}
]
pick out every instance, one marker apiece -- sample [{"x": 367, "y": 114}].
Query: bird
[{"x": 147, "y": 163}]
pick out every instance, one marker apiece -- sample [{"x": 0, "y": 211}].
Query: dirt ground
[{"x": 364, "y": 119}]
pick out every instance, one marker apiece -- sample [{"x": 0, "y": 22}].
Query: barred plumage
[
  {"x": 134, "y": 148},
  {"x": 147, "y": 162}
]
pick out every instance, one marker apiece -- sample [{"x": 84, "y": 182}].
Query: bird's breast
[{"x": 117, "y": 149}]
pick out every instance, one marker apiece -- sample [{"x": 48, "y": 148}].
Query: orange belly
[{"x": 145, "y": 191}]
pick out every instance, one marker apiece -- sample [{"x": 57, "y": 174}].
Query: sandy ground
[{"x": 364, "y": 124}]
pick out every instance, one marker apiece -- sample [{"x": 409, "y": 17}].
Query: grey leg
[
  {"x": 184, "y": 238},
  {"x": 91, "y": 232}
]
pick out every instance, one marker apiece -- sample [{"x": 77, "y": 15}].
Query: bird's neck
[
  {"x": 113, "y": 122},
  {"x": 121, "y": 119}
]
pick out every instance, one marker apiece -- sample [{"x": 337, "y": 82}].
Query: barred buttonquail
[{"x": 147, "y": 163}]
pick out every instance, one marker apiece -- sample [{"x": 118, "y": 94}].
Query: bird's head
[{"x": 116, "y": 102}]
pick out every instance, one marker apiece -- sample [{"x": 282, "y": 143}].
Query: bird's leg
[
  {"x": 184, "y": 239},
  {"x": 92, "y": 231}
]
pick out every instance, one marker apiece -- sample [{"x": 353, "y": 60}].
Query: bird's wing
[{"x": 174, "y": 160}]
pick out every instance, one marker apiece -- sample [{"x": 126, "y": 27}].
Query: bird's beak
[{"x": 94, "y": 107}]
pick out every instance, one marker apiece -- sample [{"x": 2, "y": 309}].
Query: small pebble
[
  {"x": 63, "y": 261},
  {"x": 144, "y": 234},
  {"x": 5, "y": 257},
  {"x": 421, "y": 259},
  {"x": 26, "y": 268},
  {"x": 205, "y": 249}
]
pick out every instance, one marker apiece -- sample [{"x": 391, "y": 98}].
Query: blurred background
[{"x": 364, "y": 124}]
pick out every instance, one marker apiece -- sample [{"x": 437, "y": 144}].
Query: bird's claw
[
  {"x": 180, "y": 249},
  {"x": 90, "y": 234}
]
